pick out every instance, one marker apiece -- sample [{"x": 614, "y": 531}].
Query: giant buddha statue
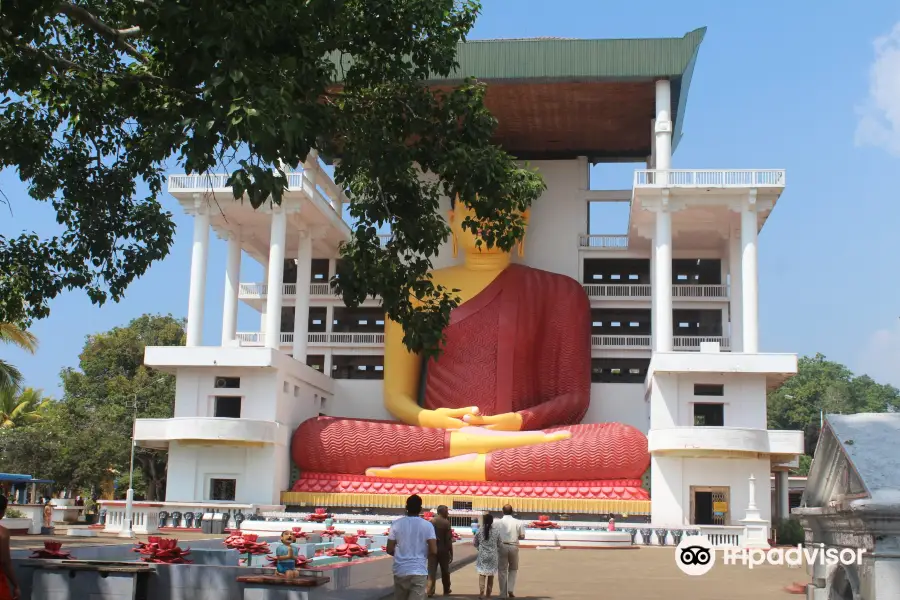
[{"x": 501, "y": 405}]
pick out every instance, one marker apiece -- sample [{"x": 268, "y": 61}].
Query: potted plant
[{"x": 17, "y": 522}]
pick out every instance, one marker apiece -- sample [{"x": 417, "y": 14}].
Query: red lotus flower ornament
[
  {"x": 454, "y": 536},
  {"x": 318, "y": 516},
  {"x": 159, "y": 550},
  {"x": 246, "y": 543},
  {"x": 428, "y": 516},
  {"x": 544, "y": 522},
  {"x": 361, "y": 532},
  {"x": 298, "y": 533},
  {"x": 349, "y": 549},
  {"x": 331, "y": 532},
  {"x": 51, "y": 551}
]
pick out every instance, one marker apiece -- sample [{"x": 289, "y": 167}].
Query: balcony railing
[
  {"x": 621, "y": 342},
  {"x": 692, "y": 343},
  {"x": 643, "y": 291},
  {"x": 710, "y": 178},
  {"x": 603, "y": 242},
  {"x": 258, "y": 338},
  {"x": 643, "y": 342}
]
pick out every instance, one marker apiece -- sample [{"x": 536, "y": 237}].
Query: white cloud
[
  {"x": 880, "y": 358},
  {"x": 879, "y": 116}
]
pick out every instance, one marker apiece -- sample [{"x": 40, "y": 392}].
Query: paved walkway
[{"x": 642, "y": 574}]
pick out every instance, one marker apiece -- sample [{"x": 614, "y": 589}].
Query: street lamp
[{"x": 127, "y": 531}]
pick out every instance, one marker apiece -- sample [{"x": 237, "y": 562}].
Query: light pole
[{"x": 127, "y": 531}]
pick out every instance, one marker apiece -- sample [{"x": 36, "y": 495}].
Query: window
[
  {"x": 616, "y": 270},
  {"x": 697, "y": 271},
  {"x": 705, "y": 322},
  {"x": 296, "y": 391},
  {"x": 222, "y": 489},
  {"x": 620, "y": 321},
  {"x": 619, "y": 370},
  {"x": 358, "y": 367},
  {"x": 709, "y": 415},
  {"x": 363, "y": 319},
  {"x": 287, "y": 387},
  {"x": 231, "y": 383},
  {"x": 228, "y": 407},
  {"x": 316, "y": 361},
  {"x": 709, "y": 389},
  {"x": 317, "y": 320}
]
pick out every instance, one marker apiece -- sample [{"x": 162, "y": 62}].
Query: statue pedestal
[{"x": 755, "y": 531}]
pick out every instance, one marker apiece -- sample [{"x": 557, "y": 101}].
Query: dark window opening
[
  {"x": 231, "y": 383},
  {"x": 364, "y": 319},
  {"x": 317, "y": 316},
  {"x": 290, "y": 271},
  {"x": 615, "y": 270},
  {"x": 703, "y": 508},
  {"x": 620, "y": 321},
  {"x": 706, "y": 323},
  {"x": 318, "y": 272},
  {"x": 619, "y": 370},
  {"x": 357, "y": 367},
  {"x": 222, "y": 489},
  {"x": 709, "y": 389},
  {"x": 316, "y": 361},
  {"x": 461, "y": 505},
  {"x": 709, "y": 415},
  {"x": 695, "y": 271},
  {"x": 228, "y": 407}
]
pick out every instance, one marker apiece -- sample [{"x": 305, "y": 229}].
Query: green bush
[
  {"x": 12, "y": 513},
  {"x": 789, "y": 532}
]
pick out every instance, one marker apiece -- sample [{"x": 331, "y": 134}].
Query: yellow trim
[{"x": 487, "y": 503}]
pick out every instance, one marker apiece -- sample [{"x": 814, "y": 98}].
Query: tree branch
[{"x": 116, "y": 36}]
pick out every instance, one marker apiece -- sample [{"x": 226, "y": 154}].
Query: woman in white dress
[{"x": 487, "y": 541}]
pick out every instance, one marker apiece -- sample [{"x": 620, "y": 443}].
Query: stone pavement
[{"x": 642, "y": 574}]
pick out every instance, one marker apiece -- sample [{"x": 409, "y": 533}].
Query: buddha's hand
[
  {"x": 502, "y": 422},
  {"x": 480, "y": 440},
  {"x": 446, "y": 418}
]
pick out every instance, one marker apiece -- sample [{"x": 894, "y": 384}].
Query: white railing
[
  {"x": 198, "y": 183},
  {"x": 617, "y": 290},
  {"x": 603, "y": 242},
  {"x": 258, "y": 338},
  {"x": 699, "y": 292},
  {"x": 723, "y": 536},
  {"x": 320, "y": 289},
  {"x": 692, "y": 342},
  {"x": 710, "y": 178},
  {"x": 261, "y": 290},
  {"x": 143, "y": 520},
  {"x": 253, "y": 290},
  {"x": 621, "y": 342}
]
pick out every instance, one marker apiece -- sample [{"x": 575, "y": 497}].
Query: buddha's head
[{"x": 466, "y": 240}]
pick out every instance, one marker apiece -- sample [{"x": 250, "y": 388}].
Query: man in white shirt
[
  {"x": 411, "y": 542},
  {"x": 511, "y": 531}
]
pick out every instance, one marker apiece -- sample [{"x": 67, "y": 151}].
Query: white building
[{"x": 676, "y": 348}]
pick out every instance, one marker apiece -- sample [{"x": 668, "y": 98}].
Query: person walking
[
  {"x": 487, "y": 541},
  {"x": 411, "y": 542},
  {"x": 511, "y": 532},
  {"x": 444, "y": 556}
]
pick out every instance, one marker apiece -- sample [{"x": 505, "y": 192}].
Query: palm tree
[
  {"x": 10, "y": 376},
  {"x": 22, "y": 408}
]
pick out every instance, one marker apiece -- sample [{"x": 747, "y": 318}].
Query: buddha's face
[{"x": 467, "y": 239}]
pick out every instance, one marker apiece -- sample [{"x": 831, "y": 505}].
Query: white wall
[
  {"x": 261, "y": 472},
  {"x": 672, "y": 478},
  {"x": 619, "y": 403},
  {"x": 358, "y": 398},
  {"x": 673, "y": 399}
]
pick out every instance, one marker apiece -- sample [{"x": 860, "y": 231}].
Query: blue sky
[{"x": 799, "y": 85}]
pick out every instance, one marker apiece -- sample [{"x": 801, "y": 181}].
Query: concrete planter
[{"x": 17, "y": 526}]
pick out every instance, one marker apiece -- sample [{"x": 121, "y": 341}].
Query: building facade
[{"x": 674, "y": 307}]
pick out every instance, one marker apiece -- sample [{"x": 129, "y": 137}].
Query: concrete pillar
[
  {"x": 327, "y": 365},
  {"x": 663, "y": 126},
  {"x": 199, "y": 257},
  {"x": 662, "y": 285},
  {"x": 734, "y": 273},
  {"x": 301, "y": 310},
  {"x": 272, "y": 331},
  {"x": 232, "y": 284},
  {"x": 782, "y": 495},
  {"x": 749, "y": 277},
  {"x": 653, "y": 293}
]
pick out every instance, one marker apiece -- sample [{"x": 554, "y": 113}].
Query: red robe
[{"x": 521, "y": 345}]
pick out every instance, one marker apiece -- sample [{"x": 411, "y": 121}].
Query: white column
[
  {"x": 327, "y": 365},
  {"x": 662, "y": 284},
  {"x": 199, "y": 257},
  {"x": 301, "y": 310},
  {"x": 276, "y": 277},
  {"x": 653, "y": 293},
  {"x": 329, "y": 325},
  {"x": 663, "y": 125},
  {"x": 232, "y": 283},
  {"x": 749, "y": 277},
  {"x": 782, "y": 494},
  {"x": 734, "y": 274}
]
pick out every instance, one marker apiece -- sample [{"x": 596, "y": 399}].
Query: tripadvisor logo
[{"x": 696, "y": 556}]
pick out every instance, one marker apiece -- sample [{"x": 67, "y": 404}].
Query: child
[{"x": 487, "y": 540}]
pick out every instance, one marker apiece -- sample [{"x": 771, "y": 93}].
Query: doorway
[{"x": 709, "y": 505}]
